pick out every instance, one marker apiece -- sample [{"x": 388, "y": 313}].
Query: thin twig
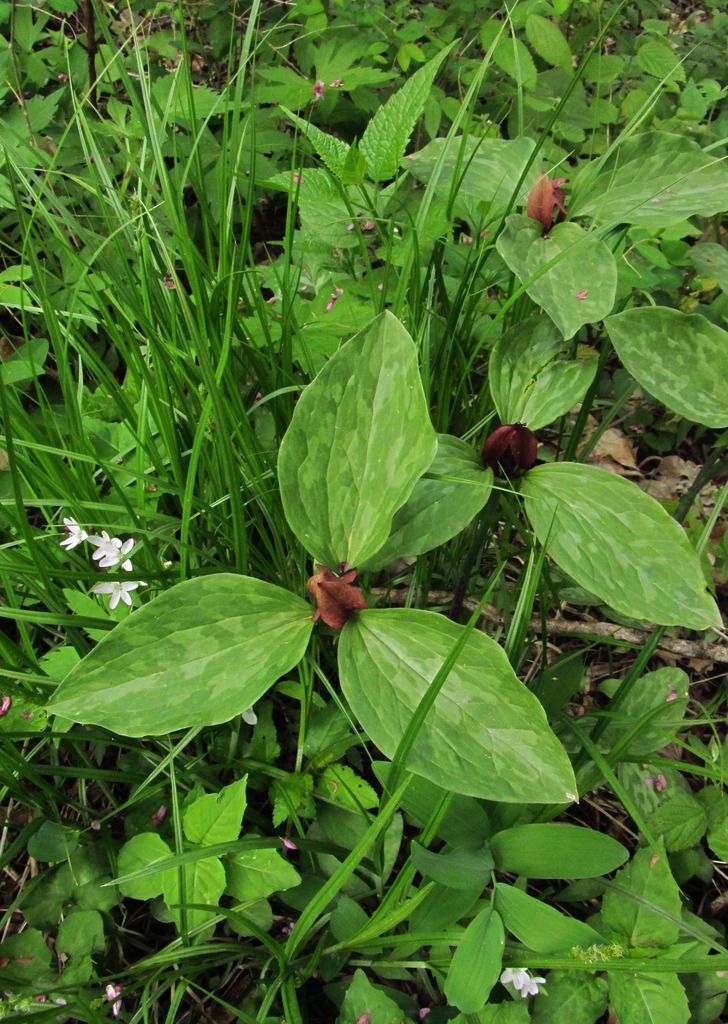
[{"x": 569, "y": 627}]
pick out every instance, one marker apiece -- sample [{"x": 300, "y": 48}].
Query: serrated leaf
[
  {"x": 640, "y": 998},
  {"x": 444, "y": 501},
  {"x": 538, "y": 926},
  {"x": 569, "y": 272},
  {"x": 573, "y": 996},
  {"x": 204, "y": 882},
  {"x": 332, "y": 151},
  {"x": 216, "y": 817},
  {"x": 477, "y": 962},
  {"x": 658, "y": 59},
  {"x": 340, "y": 784},
  {"x": 385, "y": 138},
  {"x": 679, "y": 821},
  {"x": 556, "y": 851},
  {"x": 365, "y": 1002},
  {"x": 200, "y": 653},
  {"x": 140, "y": 852},
  {"x": 680, "y": 358},
  {"x": 388, "y": 658},
  {"x": 255, "y": 874},
  {"x": 619, "y": 544},
  {"x": 292, "y": 798},
  {"x": 359, "y": 440},
  {"x": 531, "y": 379},
  {"x": 655, "y": 179},
  {"x": 548, "y": 41},
  {"x": 651, "y": 918}
]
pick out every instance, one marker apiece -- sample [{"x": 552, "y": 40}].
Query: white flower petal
[
  {"x": 103, "y": 588},
  {"x": 114, "y": 599}
]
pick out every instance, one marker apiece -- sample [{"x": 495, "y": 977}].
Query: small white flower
[
  {"x": 113, "y": 995},
  {"x": 118, "y": 591},
  {"x": 111, "y": 551},
  {"x": 249, "y": 717},
  {"x": 76, "y": 534},
  {"x": 521, "y": 981}
]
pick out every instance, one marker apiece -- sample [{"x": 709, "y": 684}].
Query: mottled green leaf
[
  {"x": 444, "y": 501},
  {"x": 477, "y": 962},
  {"x": 538, "y": 926},
  {"x": 680, "y": 358},
  {"x": 648, "y": 998},
  {"x": 486, "y": 734},
  {"x": 573, "y": 996},
  {"x": 642, "y": 905},
  {"x": 386, "y": 136},
  {"x": 711, "y": 261},
  {"x": 556, "y": 851},
  {"x": 198, "y": 654},
  {"x": 618, "y": 543},
  {"x": 216, "y": 817},
  {"x": 569, "y": 272},
  {"x": 532, "y": 379},
  {"x": 359, "y": 440},
  {"x": 666, "y": 689},
  {"x": 655, "y": 179}
]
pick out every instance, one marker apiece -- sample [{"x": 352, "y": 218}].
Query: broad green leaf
[
  {"x": 556, "y": 851},
  {"x": 481, "y": 173},
  {"x": 655, "y": 179},
  {"x": 216, "y": 817},
  {"x": 619, "y": 544},
  {"x": 81, "y": 933},
  {"x": 510, "y": 54},
  {"x": 365, "y": 1002},
  {"x": 340, "y": 784},
  {"x": 643, "y": 904},
  {"x": 332, "y": 151},
  {"x": 497, "y": 1013},
  {"x": 198, "y": 654},
  {"x": 573, "y": 996},
  {"x": 204, "y": 882},
  {"x": 457, "y": 869},
  {"x": 711, "y": 261},
  {"x": 477, "y": 962},
  {"x": 570, "y": 273},
  {"x": 386, "y": 136},
  {"x": 52, "y": 842},
  {"x": 538, "y": 926},
  {"x": 444, "y": 501},
  {"x": 255, "y": 874},
  {"x": 548, "y": 41},
  {"x": 657, "y": 58},
  {"x": 666, "y": 689},
  {"x": 486, "y": 734},
  {"x": 718, "y": 826},
  {"x": 680, "y": 358},
  {"x": 532, "y": 379},
  {"x": 648, "y": 998},
  {"x": 359, "y": 440},
  {"x": 679, "y": 821},
  {"x": 141, "y": 852}
]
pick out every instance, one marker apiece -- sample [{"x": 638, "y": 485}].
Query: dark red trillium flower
[
  {"x": 545, "y": 196},
  {"x": 335, "y": 597},
  {"x": 513, "y": 447}
]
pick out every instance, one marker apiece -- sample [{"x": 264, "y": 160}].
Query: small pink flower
[
  {"x": 583, "y": 293},
  {"x": 27, "y": 715},
  {"x": 297, "y": 178},
  {"x": 336, "y": 84},
  {"x": 658, "y": 781},
  {"x": 287, "y": 928},
  {"x": 318, "y": 90},
  {"x": 159, "y": 815},
  {"x": 6, "y": 703},
  {"x": 113, "y": 995},
  {"x": 424, "y": 1012},
  {"x": 169, "y": 282},
  {"x": 335, "y": 296},
  {"x": 367, "y": 225},
  {"x": 672, "y": 693},
  {"x": 288, "y": 843}
]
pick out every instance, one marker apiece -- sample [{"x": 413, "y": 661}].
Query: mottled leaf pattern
[
  {"x": 486, "y": 734},
  {"x": 680, "y": 358},
  {"x": 450, "y": 494},
  {"x": 618, "y": 543},
  {"x": 655, "y": 179},
  {"x": 198, "y": 654},
  {"x": 531, "y": 378},
  {"x": 359, "y": 439},
  {"x": 570, "y": 273}
]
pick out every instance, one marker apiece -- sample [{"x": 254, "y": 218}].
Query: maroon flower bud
[
  {"x": 513, "y": 447},
  {"x": 543, "y": 197},
  {"x": 335, "y": 596}
]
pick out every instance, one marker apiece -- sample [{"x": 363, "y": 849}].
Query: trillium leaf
[
  {"x": 618, "y": 543},
  {"x": 531, "y": 379},
  {"x": 654, "y": 179},
  {"x": 680, "y": 358},
  {"x": 477, "y": 962},
  {"x": 198, "y": 654},
  {"x": 486, "y": 734},
  {"x": 444, "y": 501},
  {"x": 570, "y": 273},
  {"x": 359, "y": 440}
]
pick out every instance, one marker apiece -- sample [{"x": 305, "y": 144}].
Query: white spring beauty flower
[
  {"x": 119, "y": 590},
  {"x": 76, "y": 534},
  {"x": 522, "y": 981},
  {"x": 111, "y": 551},
  {"x": 249, "y": 717}
]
